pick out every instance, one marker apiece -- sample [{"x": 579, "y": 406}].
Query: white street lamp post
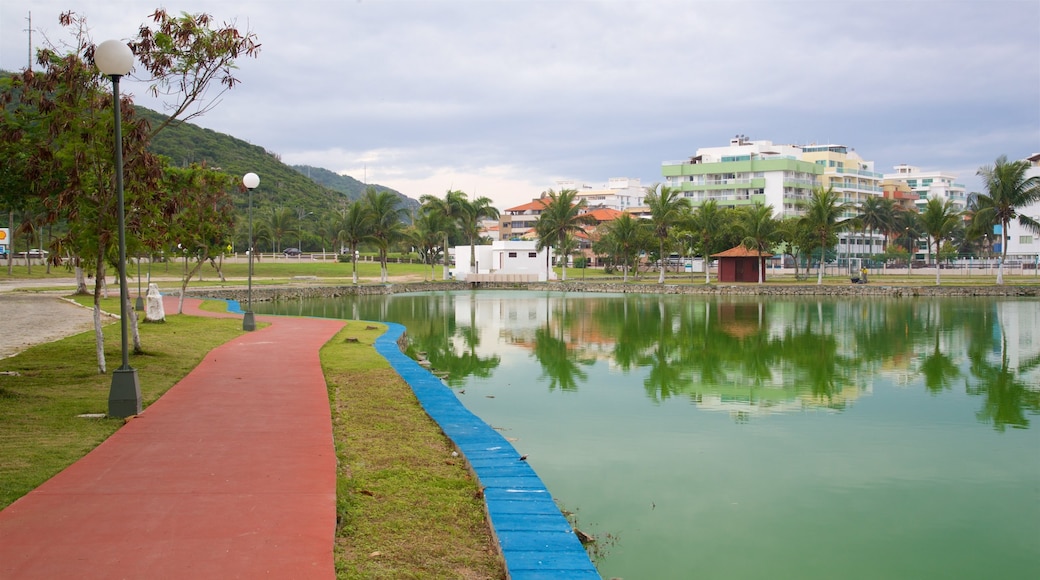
[
  {"x": 115, "y": 59},
  {"x": 251, "y": 181}
]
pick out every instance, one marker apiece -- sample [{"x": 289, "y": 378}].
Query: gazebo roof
[{"x": 742, "y": 252}]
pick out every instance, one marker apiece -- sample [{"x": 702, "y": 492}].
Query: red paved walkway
[{"x": 231, "y": 474}]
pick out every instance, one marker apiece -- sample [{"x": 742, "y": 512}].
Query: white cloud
[{"x": 507, "y": 96}]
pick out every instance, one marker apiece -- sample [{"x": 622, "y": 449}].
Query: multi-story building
[
  {"x": 1023, "y": 244},
  {"x": 929, "y": 184},
  {"x": 620, "y": 193},
  {"x": 518, "y": 222},
  {"x": 746, "y": 172}
]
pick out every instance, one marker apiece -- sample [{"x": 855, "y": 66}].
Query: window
[
  {"x": 512, "y": 254},
  {"x": 1025, "y": 239},
  {"x": 532, "y": 254}
]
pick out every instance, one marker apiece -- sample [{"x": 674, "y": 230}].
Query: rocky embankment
[{"x": 296, "y": 292}]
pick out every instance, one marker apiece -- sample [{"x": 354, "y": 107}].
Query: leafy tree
[
  {"x": 202, "y": 220},
  {"x": 823, "y": 221},
  {"x": 1008, "y": 190},
  {"x": 666, "y": 206},
  {"x": 449, "y": 209},
  {"x": 706, "y": 222},
  {"x": 470, "y": 214},
  {"x": 623, "y": 239},
  {"x": 426, "y": 232},
  {"x": 277, "y": 224},
  {"x": 69, "y": 151},
  {"x": 560, "y": 220},
  {"x": 792, "y": 239},
  {"x": 759, "y": 228},
  {"x": 877, "y": 213},
  {"x": 385, "y": 216},
  {"x": 354, "y": 227},
  {"x": 939, "y": 220}
]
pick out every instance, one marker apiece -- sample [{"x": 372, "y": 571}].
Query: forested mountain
[
  {"x": 280, "y": 184},
  {"x": 347, "y": 184}
]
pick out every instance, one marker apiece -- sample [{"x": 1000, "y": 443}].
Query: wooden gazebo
[{"x": 739, "y": 264}]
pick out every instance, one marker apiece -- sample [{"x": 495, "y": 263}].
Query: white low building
[{"x": 504, "y": 261}]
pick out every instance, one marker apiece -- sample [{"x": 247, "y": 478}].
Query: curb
[{"x": 536, "y": 539}]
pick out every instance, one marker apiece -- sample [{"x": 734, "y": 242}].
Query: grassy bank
[{"x": 407, "y": 507}]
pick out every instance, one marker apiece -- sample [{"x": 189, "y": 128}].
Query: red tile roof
[
  {"x": 532, "y": 205},
  {"x": 741, "y": 252},
  {"x": 604, "y": 214}
]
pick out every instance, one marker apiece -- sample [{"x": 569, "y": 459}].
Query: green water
[{"x": 735, "y": 438}]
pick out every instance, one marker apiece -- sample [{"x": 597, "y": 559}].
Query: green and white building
[{"x": 746, "y": 172}]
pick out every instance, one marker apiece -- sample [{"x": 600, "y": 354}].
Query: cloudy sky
[{"x": 504, "y": 97}]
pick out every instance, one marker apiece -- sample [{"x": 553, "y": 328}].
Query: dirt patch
[{"x": 28, "y": 319}]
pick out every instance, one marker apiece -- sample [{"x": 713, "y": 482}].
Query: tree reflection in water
[{"x": 743, "y": 355}]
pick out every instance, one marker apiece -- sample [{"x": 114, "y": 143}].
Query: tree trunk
[
  {"x": 134, "y": 331},
  {"x": 99, "y": 337},
  {"x": 445, "y": 259},
  {"x": 81, "y": 281},
  {"x": 1003, "y": 255}
]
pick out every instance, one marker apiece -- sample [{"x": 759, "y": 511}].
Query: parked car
[
  {"x": 291, "y": 251},
  {"x": 35, "y": 253}
]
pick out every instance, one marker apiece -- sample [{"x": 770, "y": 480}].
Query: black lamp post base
[
  {"x": 124, "y": 398},
  {"x": 248, "y": 322},
  {"x": 139, "y": 305}
]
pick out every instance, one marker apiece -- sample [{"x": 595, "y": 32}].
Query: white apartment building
[
  {"x": 620, "y": 193},
  {"x": 745, "y": 172},
  {"x": 1022, "y": 243},
  {"x": 929, "y": 184}
]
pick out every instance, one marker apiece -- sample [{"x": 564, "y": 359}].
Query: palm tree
[
  {"x": 876, "y": 214},
  {"x": 354, "y": 229},
  {"x": 666, "y": 205},
  {"x": 939, "y": 220},
  {"x": 386, "y": 227},
  {"x": 823, "y": 220},
  {"x": 426, "y": 233},
  {"x": 760, "y": 230},
  {"x": 1008, "y": 189},
  {"x": 792, "y": 238},
  {"x": 470, "y": 214},
  {"x": 706, "y": 221},
  {"x": 623, "y": 239},
  {"x": 278, "y": 224},
  {"x": 449, "y": 208},
  {"x": 561, "y": 218}
]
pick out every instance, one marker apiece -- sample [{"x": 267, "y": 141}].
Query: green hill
[{"x": 280, "y": 184}]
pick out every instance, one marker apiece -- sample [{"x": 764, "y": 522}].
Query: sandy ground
[{"x": 31, "y": 318}]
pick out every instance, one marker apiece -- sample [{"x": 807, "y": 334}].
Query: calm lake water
[{"x": 747, "y": 438}]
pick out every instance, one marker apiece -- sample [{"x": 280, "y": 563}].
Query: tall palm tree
[
  {"x": 939, "y": 220},
  {"x": 386, "y": 226},
  {"x": 470, "y": 214},
  {"x": 1008, "y": 189},
  {"x": 561, "y": 218},
  {"x": 623, "y": 239},
  {"x": 666, "y": 206},
  {"x": 449, "y": 208},
  {"x": 876, "y": 213},
  {"x": 706, "y": 221},
  {"x": 354, "y": 229},
  {"x": 760, "y": 231},
  {"x": 823, "y": 220}
]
